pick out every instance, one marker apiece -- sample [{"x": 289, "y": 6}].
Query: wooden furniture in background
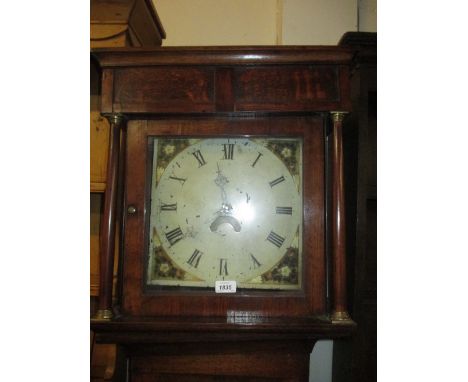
[
  {"x": 188, "y": 335},
  {"x": 356, "y": 359},
  {"x": 116, "y": 23}
]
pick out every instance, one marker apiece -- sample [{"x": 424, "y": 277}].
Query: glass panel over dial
[{"x": 226, "y": 209}]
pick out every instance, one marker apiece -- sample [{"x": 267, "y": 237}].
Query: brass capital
[
  {"x": 338, "y": 116},
  {"x": 115, "y": 118}
]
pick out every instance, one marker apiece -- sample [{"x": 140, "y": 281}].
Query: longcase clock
[{"x": 228, "y": 162}]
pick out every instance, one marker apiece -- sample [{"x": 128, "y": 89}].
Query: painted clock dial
[{"x": 226, "y": 209}]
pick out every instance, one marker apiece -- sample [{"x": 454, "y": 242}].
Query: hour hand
[{"x": 220, "y": 179}]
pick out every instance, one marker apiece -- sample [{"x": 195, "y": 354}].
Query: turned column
[
  {"x": 108, "y": 221},
  {"x": 339, "y": 306}
]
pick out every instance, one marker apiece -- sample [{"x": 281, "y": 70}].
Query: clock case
[{"x": 222, "y": 92}]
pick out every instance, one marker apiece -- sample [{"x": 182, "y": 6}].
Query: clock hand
[
  {"x": 221, "y": 181},
  {"x": 224, "y": 214}
]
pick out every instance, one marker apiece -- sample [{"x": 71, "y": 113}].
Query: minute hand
[{"x": 221, "y": 181}]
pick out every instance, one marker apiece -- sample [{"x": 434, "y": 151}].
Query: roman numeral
[
  {"x": 195, "y": 258},
  {"x": 256, "y": 160},
  {"x": 284, "y": 210},
  {"x": 276, "y": 181},
  {"x": 169, "y": 207},
  {"x": 199, "y": 157},
  {"x": 228, "y": 150},
  {"x": 275, "y": 239},
  {"x": 181, "y": 180},
  {"x": 174, "y": 236},
  {"x": 255, "y": 262},
  {"x": 223, "y": 271}
]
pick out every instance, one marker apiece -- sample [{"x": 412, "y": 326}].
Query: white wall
[
  {"x": 321, "y": 362},
  {"x": 218, "y": 22},
  {"x": 368, "y": 15},
  {"x": 318, "y": 22},
  {"x": 263, "y": 22}
]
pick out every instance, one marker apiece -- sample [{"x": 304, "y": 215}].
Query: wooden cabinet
[
  {"x": 116, "y": 23},
  {"x": 186, "y": 334},
  {"x": 99, "y": 141}
]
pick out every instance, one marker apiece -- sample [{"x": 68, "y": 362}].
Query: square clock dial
[{"x": 226, "y": 209}]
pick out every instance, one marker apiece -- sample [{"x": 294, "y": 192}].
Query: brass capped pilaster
[
  {"x": 117, "y": 123},
  {"x": 338, "y": 225}
]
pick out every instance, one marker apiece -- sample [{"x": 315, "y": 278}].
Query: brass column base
[
  {"x": 104, "y": 315},
  {"x": 341, "y": 318}
]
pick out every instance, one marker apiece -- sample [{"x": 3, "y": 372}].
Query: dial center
[{"x": 223, "y": 219}]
